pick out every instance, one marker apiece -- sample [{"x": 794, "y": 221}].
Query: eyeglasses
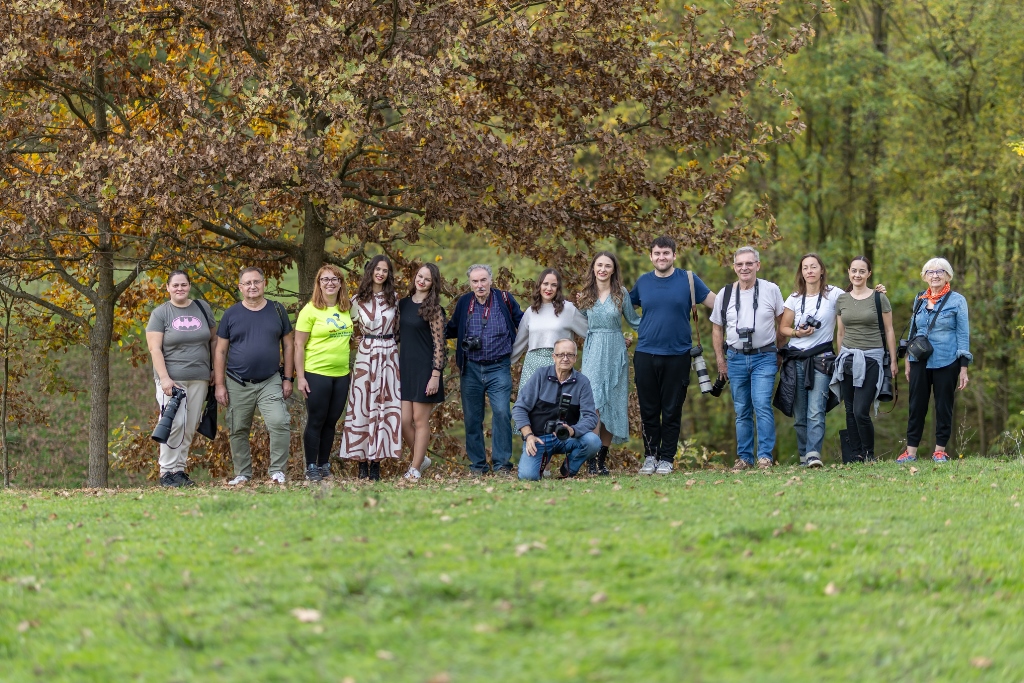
[
  {"x": 329, "y": 280},
  {"x": 564, "y": 356},
  {"x": 252, "y": 283},
  {"x": 933, "y": 273},
  {"x": 748, "y": 264}
]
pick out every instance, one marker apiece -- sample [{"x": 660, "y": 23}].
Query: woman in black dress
[{"x": 422, "y": 356}]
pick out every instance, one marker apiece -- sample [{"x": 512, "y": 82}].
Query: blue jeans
[
  {"x": 809, "y": 412},
  {"x": 494, "y": 381},
  {"x": 577, "y": 451},
  {"x": 752, "y": 379}
]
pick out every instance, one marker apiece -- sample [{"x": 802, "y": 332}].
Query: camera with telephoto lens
[
  {"x": 472, "y": 344},
  {"x": 162, "y": 432},
  {"x": 901, "y": 352},
  {"x": 716, "y": 388},
  {"x": 558, "y": 427},
  {"x": 746, "y": 335},
  {"x": 701, "y": 367},
  {"x": 811, "y": 321}
]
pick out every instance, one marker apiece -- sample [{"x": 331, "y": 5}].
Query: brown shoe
[
  {"x": 764, "y": 463},
  {"x": 740, "y": 465}
]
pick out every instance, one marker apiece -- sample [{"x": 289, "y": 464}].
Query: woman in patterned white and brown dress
[{"x": 373, "y": 417}]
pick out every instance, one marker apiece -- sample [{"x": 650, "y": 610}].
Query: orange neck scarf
[{"x": 934, "y": 298}]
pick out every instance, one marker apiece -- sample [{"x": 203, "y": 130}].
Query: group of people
[{"x": 255, "y": 357}]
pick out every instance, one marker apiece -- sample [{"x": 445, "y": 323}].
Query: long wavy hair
[
  {"x": 365, "y": 291},
  {"x": 558, "y": 302},
  {"x": 801, "y": 284},
  {"x": 589, "y": 295},
  {"x": 430, "y": 309},
  {"x": 319, "y": 299},
  {"x": 862, "y": 257}
]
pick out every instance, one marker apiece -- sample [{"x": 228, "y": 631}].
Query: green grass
[{"x": 622, "y": 579}]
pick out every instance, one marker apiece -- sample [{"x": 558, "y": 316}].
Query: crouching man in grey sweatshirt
[{"x": 555, "y": 413}]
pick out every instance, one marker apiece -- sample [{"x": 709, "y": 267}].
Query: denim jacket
[{"x": 951, "y": 334}]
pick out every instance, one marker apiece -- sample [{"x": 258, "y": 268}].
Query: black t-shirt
[{"x": 255, "y": 338}]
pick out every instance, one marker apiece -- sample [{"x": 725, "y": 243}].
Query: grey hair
[
  {"x": 747, "y": 250},
  {"x": 251, "y": 269},
  {"x": 938, "y": 264},
  {"x": 480, "y": 266},
  {"x": 566, "y": 339}
]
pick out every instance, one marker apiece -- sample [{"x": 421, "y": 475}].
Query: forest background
[{"x": 885, "y": 128}]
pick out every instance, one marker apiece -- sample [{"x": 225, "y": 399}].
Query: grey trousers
[{"x": 243, "y": 400}]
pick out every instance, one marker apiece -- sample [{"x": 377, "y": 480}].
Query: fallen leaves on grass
[
  {"x": 690, "y": 482},
  {"x": 616, "y": 487},
  {"x": 370, "y": 503},
  {"x": 446, "y": 518},
  {"x": 385, "y": 655},
  {"x": 598, "y": 597},
  {"x": 780, "y": 493},
  {"x": 442, "y": 677},
  {"x": 831, "y": 590},
  {"x": 524, "y": 548},
  {"x": 483, "y": 628},
  {"x": 748, "y": 553},
  {"x": 306, "y": 615},
  {"x": 981, "y": 662},
  {"x": 444, "y": 578},
  {"x": 24, "y": 626},
  {"x": 810, "y": 527},
  {"x": 676, "y": 523},
  {"x": 913, "y": 471}
]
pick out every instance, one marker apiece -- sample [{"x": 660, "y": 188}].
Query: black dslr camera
[
  {"x": 558, "y": 427},
  {"x": 901, "y": 352},
  {"x": 811, "y": 321},
  {"x": 746, "y": 335},
  {"x": 162, "y": 432},
  {"x": 716, "y": 388},
  {"x": 472, "y": 344}
]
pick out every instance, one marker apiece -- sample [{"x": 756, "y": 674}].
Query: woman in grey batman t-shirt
[{"x": 179, "y": 335}]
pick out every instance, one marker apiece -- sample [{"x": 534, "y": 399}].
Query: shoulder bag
[
  {"x": 887, "y": 393},
  {"x": 918, "y": 345}
]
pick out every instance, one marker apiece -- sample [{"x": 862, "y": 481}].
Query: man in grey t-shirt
[
  {"x": 252, "y": 336},
  {"x": 745, "y": 329}
]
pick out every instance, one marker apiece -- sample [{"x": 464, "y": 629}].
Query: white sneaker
[
  {"x": 650, "y": 464},
  {"x": 239, "y": 480},
  {"x": 413, "y": 473},
  {"x": 664, "y": 467},
  {"x": 277, "y": 478},
  {"x": 425, "y": 465},
  {"x": 814, "y": 460}
]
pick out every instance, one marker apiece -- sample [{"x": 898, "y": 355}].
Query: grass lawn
[{"x": 872, "y": 573}]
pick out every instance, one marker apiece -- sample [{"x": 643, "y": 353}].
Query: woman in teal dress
[{"x": 604, "y": 301}]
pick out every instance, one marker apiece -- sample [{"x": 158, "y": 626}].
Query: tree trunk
[
  {"x": 100, "y": 335},
  {"x": 4, "y": 398},
  {"x": 311, "y": 251}
]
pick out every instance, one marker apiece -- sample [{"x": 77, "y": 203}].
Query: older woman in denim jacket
[{"x": 945, "y": 370}]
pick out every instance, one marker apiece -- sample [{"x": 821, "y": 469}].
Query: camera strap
[
  {"x": 934, "y": 313},
  {"x": 183, "y": 406},
  {"x": 912, "y": 323},
  {"x": 753, "y": 323},
  {"x": 803, "y": 304},
  {"x": 487, "y": 310},
  {"x": 693, "y": 306}
]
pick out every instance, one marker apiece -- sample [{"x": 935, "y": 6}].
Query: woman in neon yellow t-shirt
[{"x": 322, "y": 335}]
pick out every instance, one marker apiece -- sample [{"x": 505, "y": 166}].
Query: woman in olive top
[
  {"x": 862, "y": 345},
  {"x": 322, "y": 334}
]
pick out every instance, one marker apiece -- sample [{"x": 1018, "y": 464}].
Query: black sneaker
[
  {"x": 170, "y": 480},
  {"x": 375, "y": 470},
  {"x": 325, "y": 470},
  {"x": 563, "y": 471},
  {"x": 183, "y": 479},
  {"x": 364, "y": 470},
  {"x": 602, "y": 462},
  {"x": 313, "y": 473},
  {"x": 592, "y": 466}
]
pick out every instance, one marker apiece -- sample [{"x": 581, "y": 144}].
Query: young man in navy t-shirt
[{"x": 661, "y": 362}]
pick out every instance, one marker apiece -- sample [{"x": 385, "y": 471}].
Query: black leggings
[
  {"x": 858, "y": 400},
  {"x": 324, "y": 407},
  {"x": 942, "y": 382},
  {"x": 661, "y": 383}
]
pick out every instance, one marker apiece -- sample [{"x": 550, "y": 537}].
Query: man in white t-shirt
[{"x": 745, "y": 323}]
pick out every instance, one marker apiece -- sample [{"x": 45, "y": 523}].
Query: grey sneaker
[
  {"x": 426, "y": 464},
  {"x": 170, "y": 480},
  {"x": 664, "y": 467},
  {"x": 277, "y": 478},
  {"x": 413, "y": 473},
  {"x": 814, "y": 461},
  {"x": 239, "y": 480},
  {"x": 325, "y": 470},
  {"x": 650, "y": 464},
  {"x": 313, "y": 472}
]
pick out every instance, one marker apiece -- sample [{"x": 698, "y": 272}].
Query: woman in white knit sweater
[{"x": 549, "y": 319}]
